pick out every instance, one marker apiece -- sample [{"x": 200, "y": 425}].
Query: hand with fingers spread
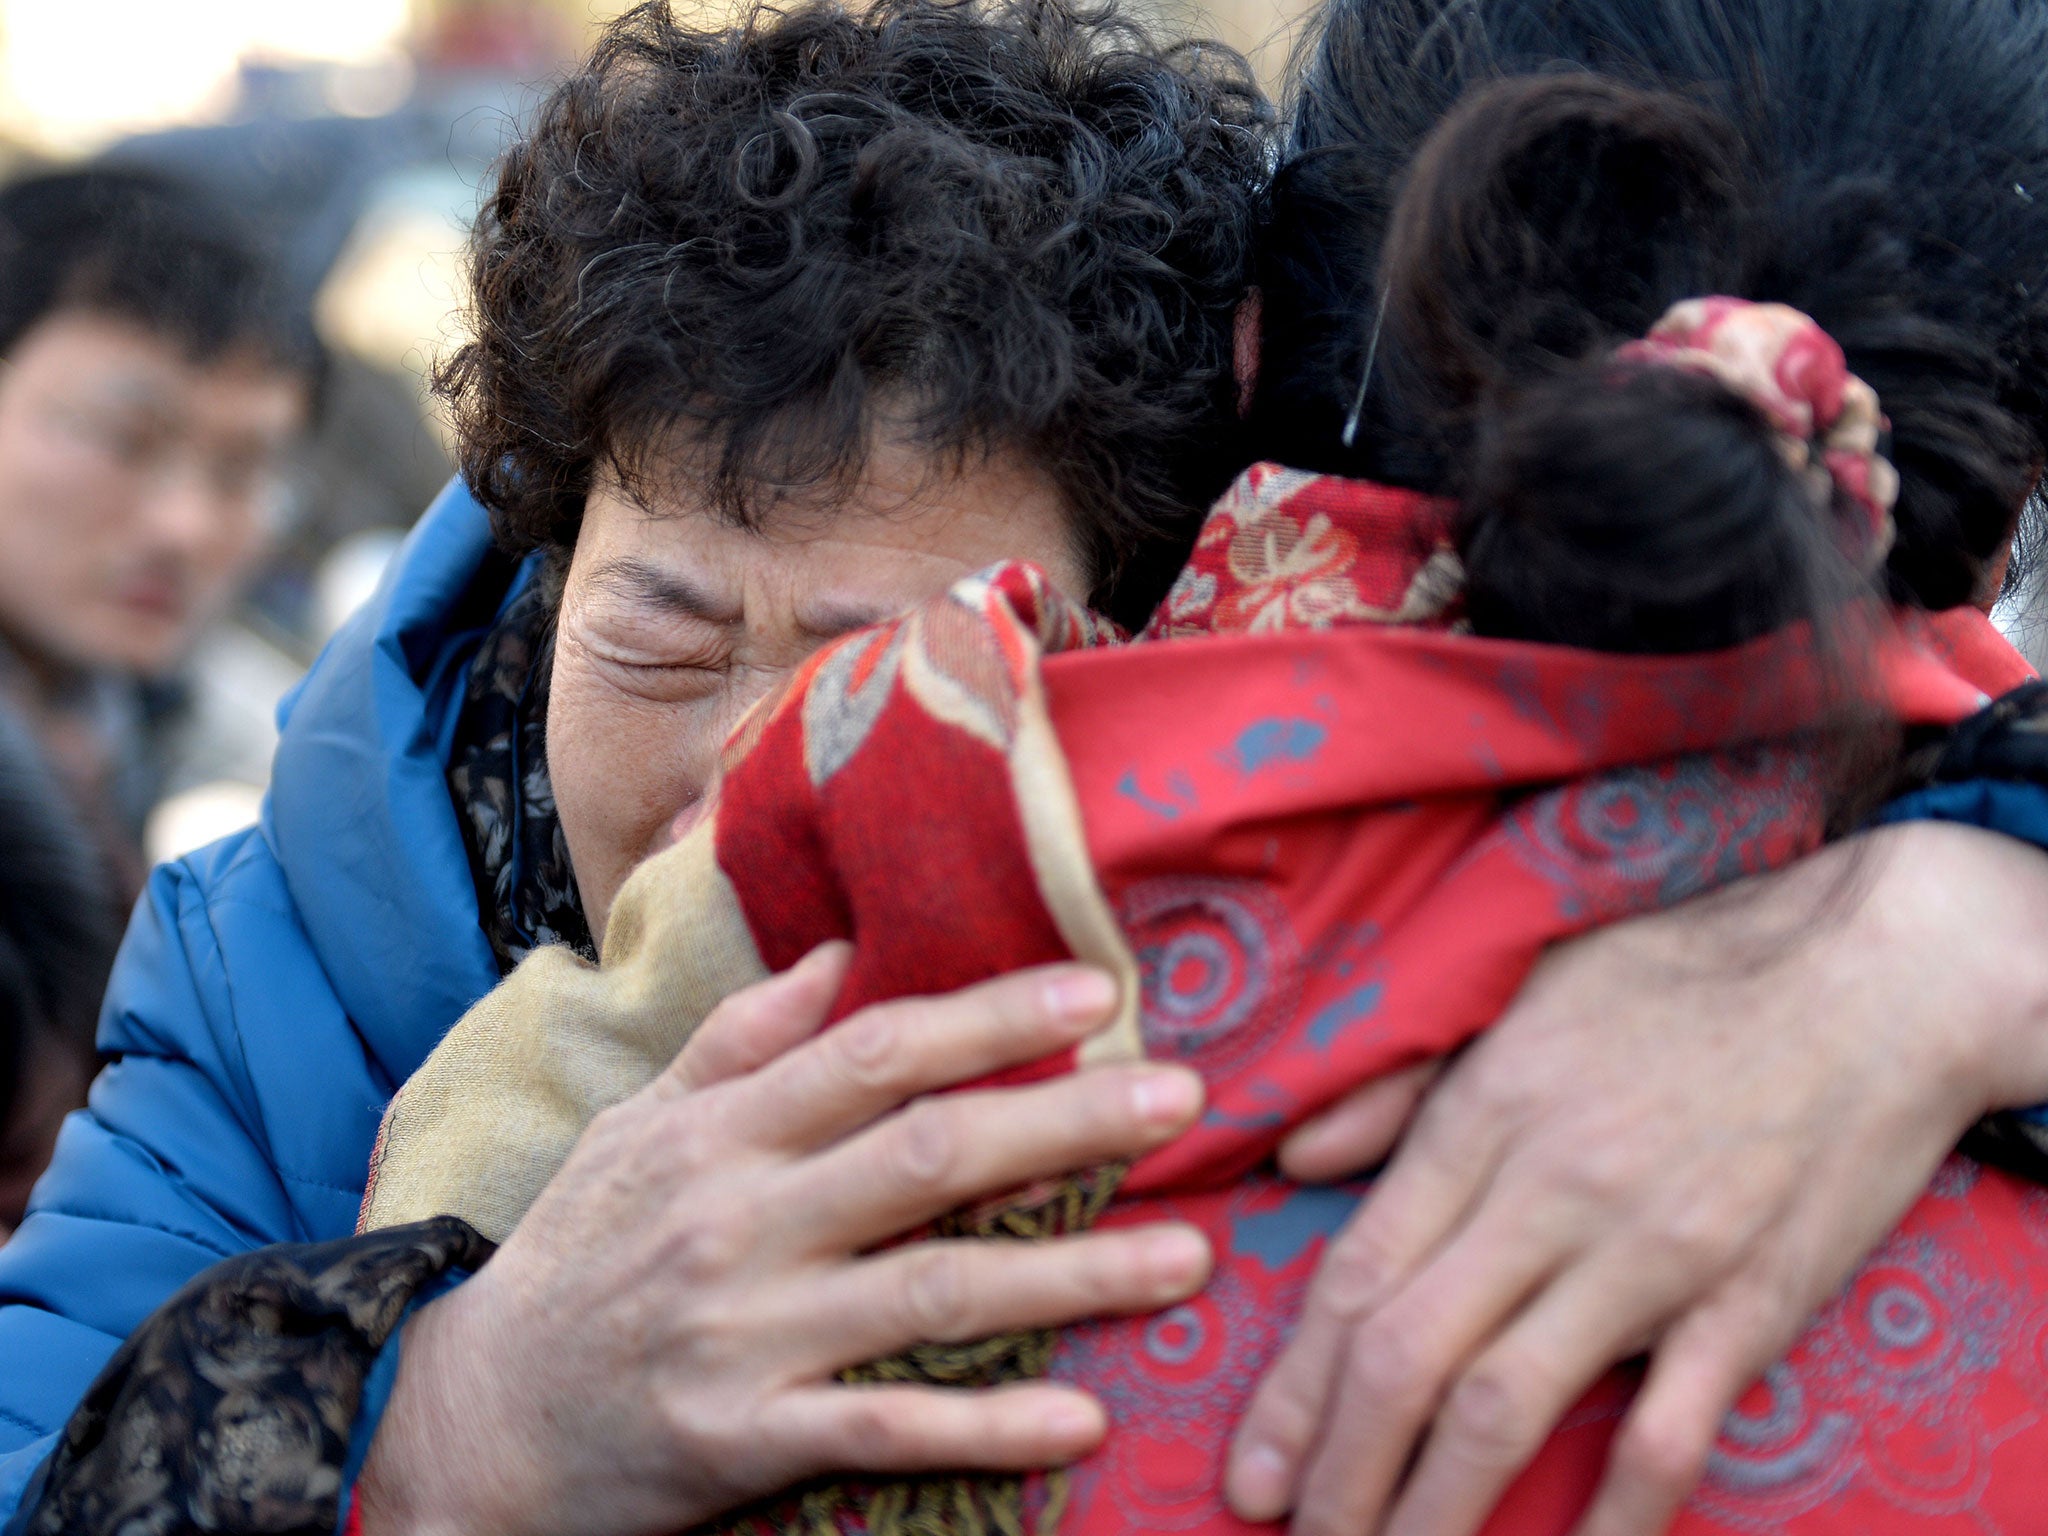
[
  {"x": 1684, "y": 1136},
  {"x": 657, "y": 1341}
]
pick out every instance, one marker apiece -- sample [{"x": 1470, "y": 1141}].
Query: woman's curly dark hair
[{"x": 994, "y": 225}]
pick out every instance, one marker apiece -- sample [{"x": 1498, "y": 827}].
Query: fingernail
[
  {"x": 1167, "y": 1097},
  {"x": 1080, "y": 995},
  {"x": 1178, "y": 1258},
  {"x": 1258, "y": 1484},
  {"x": 1073, "y": 1418}
]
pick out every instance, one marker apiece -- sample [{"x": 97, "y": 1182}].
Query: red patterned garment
[{"x": 1324, "y": 835}]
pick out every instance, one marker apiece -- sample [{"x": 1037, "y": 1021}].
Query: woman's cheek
[{"x": 623, "y": 768}]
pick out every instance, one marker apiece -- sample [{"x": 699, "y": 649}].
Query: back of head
[
  {"x": 1499, "y": 194},
  {"x": 151, "y": 250},
  {"x": 993, "y": 225}
]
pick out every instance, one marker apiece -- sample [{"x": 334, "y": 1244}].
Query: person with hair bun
[{"x": 1499, "y": 233}]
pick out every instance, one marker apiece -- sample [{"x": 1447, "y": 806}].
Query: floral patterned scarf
[{"x": 498, "y": 776}]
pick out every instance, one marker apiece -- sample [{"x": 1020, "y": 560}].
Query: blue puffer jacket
[{"x": 272, "y": 992}]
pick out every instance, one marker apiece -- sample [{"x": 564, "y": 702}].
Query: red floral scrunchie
[{"x": 1782, "y": 362}]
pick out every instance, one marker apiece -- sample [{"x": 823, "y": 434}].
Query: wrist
[
  {"x": 1968, "y": 909},
  {"x": 439, "y": 1465}
]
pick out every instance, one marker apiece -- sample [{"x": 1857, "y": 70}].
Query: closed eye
[
  {"x": 667, "y": 682},
  {"x": 668, "y": 665},
  {"x": 627, "y": 649}
]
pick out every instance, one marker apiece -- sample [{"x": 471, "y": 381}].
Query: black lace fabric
[
  {"x": 498, "y": 777},
  {"x": 229, "y": 1410}
]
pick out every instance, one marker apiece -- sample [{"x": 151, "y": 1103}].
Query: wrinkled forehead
[
  {"x": 897, "y": 493},
  {"x": 842, "y": 554}
]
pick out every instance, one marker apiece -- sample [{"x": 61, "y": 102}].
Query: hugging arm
[{"x": 1682, "y": 1138}]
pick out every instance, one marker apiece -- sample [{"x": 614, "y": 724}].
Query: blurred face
[
  {"x": 135, "y": 487},
  {"x": 673, "y": 623}
]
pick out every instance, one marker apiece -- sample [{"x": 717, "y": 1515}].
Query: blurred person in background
[
  {"x": 154, "y": 378},
  {"x": 56, "y": 939}
]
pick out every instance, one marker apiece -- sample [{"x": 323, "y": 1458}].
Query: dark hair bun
[
  {"x": 1617, "y": 506},
  {"x": 1635, "y": 507}
]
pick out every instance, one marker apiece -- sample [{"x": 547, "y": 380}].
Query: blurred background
[{"x": 358, "y": 135}]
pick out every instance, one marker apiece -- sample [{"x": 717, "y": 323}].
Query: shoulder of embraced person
[{"x": 889, "y": 894}]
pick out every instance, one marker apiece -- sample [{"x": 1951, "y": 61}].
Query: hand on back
[{"x": 1683, "y": 1137}]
